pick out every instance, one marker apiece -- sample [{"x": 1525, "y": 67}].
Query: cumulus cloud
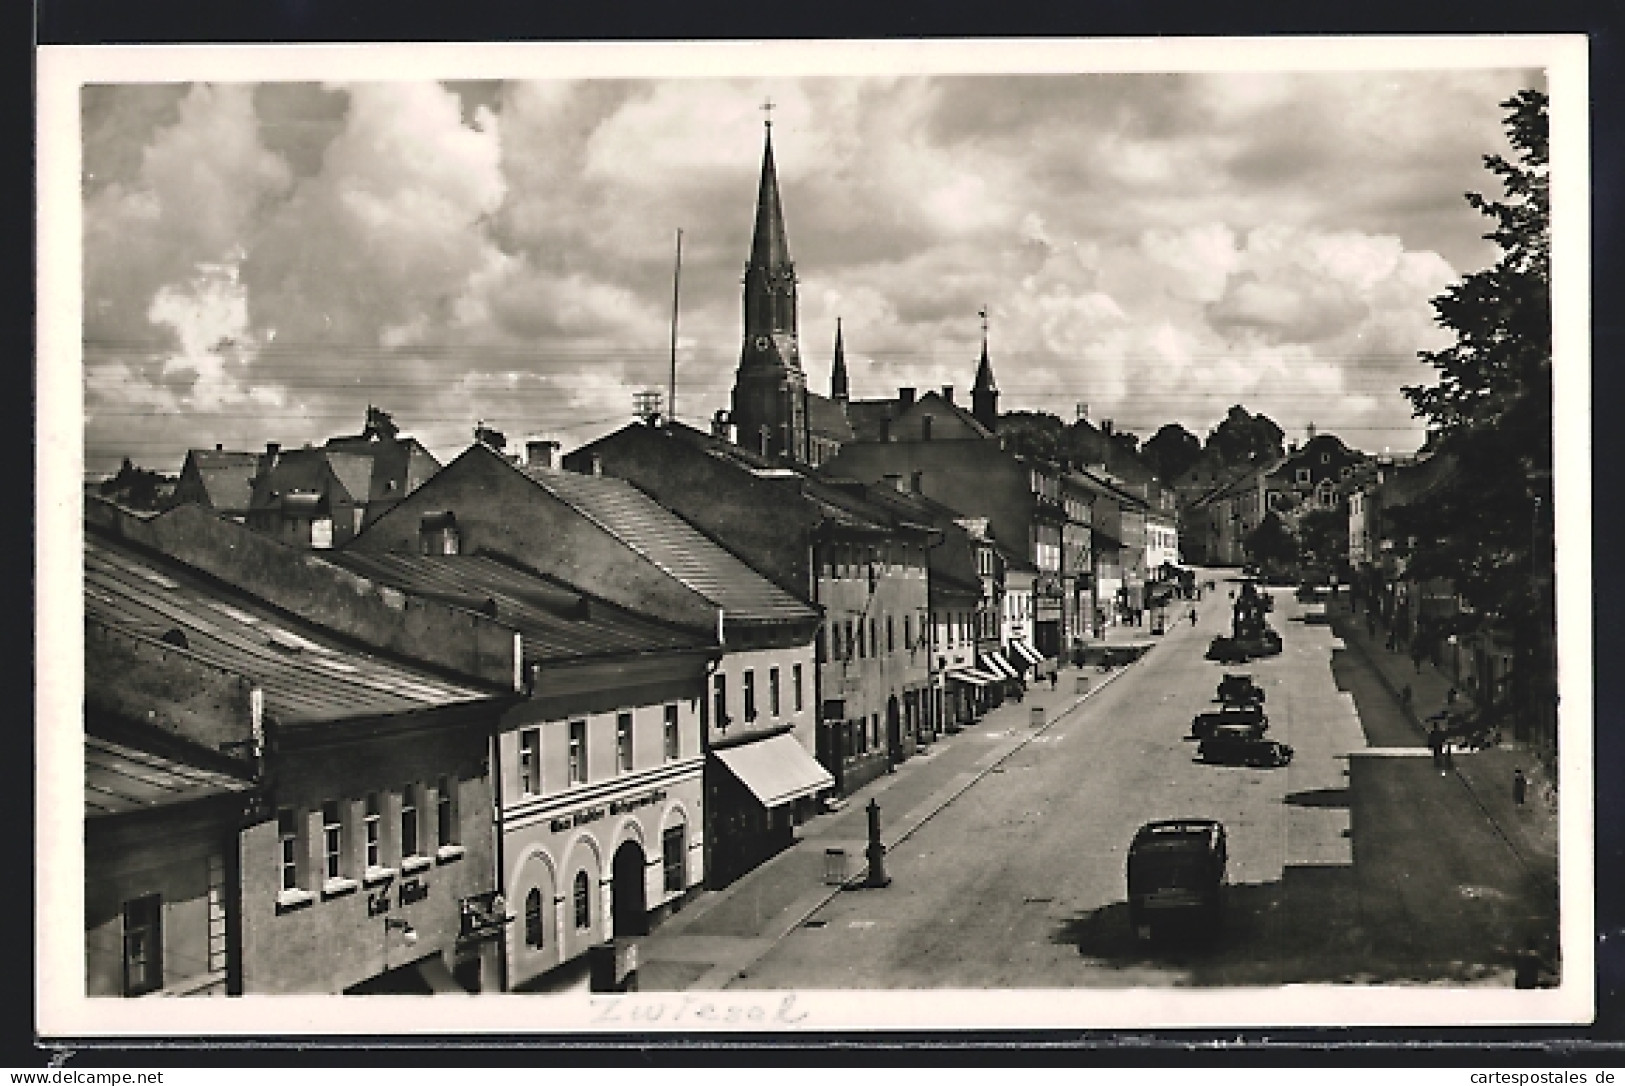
[{"x": 265, "y": 261}]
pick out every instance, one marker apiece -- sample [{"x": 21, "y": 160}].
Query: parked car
[
  {"x": 1176, "y": 876},
  {"x": 1239, "y": 690},
  {"x": 1250, "y": 720},
  {"x": 1235, "y": 746}
]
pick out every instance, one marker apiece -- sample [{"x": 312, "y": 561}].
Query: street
[{"x": 1371, "y": 869}]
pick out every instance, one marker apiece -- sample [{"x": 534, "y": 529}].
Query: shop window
[
  {"x": 795, "y": 687},
  {"x": 673, "y": 739},
  {"x": 287, "y": 832},
  {"x": 672, "y": 847},
  {"x": 583, "y": 901},
  {"x": 773, "y": 692},
  {"x": 623, "y": 742},
  {"x": 143, "y": 945},
  {"x": 578, "y": 752},
  {"x": 750, "y": 695},
  {"x": 874, "y": 730},
  {"x": 533, "y": 919},
  {"x": 530, "y": 762}
]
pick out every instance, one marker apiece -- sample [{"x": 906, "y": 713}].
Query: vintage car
[
  {"x": 1250, "y": 718},
  {"x": 1235, "y": 746},
  {"x": 1176, "y": 877},
  {"x": 1226, "y": 650},
  {"x": 1239, "y": 690}
]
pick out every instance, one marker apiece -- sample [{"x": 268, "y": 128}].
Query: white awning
[
  {"x": 1027, "y": 652},
  {"x": 972, "y": 676},
  {"x": 996, "y": 663},
  {"x": 776, "y": 770}
]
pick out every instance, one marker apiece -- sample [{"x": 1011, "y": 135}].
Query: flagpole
[{"x": 676, "y": 286}]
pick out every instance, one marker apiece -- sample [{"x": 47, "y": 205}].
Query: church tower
[
  {"x": 838, "y": 390},
  {"x": 984, "y": 394},
  {"x": 770, "y": 388}
]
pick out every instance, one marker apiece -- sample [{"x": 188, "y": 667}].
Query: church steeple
[
  {"x": 770, "y": 389},
  {"x": 984, "y": 395},
  {"x": 837, "y": 379}
]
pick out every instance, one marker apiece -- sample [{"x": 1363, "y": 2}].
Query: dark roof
[
  {"x": 558, "y": 623},
  {"x": 963, "y": 415},
  {"x": 227, "y": 477},
  {"x": 826, "y": 418},
  {"x": 867, "y": 417},
  {"x": 392, "y": 463},
  {"x": 672, "y": 544},
  {"x": 121, "y": 778},
  {"x": 308, "y": 675}
]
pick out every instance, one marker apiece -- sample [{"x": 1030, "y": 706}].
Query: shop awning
[
  {"x": 996, "y": 663},
  {"x": 1026, "y": 652},
  {"x": 971, "y": 676},
  {"x": 776, "y": 770}
]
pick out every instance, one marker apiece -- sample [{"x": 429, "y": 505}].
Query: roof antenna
[{"x": 676, "y": 285}]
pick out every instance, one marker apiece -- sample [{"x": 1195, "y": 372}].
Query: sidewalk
[
  {"x": 721, "y": 933},
  {"x": 1531, "y": 830}
]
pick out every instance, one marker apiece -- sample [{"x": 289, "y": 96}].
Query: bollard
[
  {"x": 877, "y": 851},
  {"x": 1037, "y": 716},
  {"x": 1081, "y": 685}
]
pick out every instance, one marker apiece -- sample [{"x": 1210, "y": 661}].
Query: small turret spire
[
  {"x": 984, "y": 393},
  {"x": 838, "y": 389}
]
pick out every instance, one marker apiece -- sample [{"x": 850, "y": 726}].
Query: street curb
[{"x": 856, "y": 883}]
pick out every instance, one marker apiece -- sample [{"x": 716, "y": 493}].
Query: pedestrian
[
  {"x": 1520, "y": 787},
  {"x": 1405, "y": 695},
  {"x": 1418, "y": 654},
  {"x": 1449, "y": 749},
  {"x": 1436, "y": 745},
  {"x": 1193, "y": 616},
  {"x": 1054, "y": 679}
]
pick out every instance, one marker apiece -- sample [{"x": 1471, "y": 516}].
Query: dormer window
[{"x": 438, "y": 534}]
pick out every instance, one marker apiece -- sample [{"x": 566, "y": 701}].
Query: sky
[{"x": 262, "y": 261}]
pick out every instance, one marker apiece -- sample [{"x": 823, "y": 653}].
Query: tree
[
  {"x": 1487, "y": 526},
  {"x": 1271, "y": 541},
  {"x": 1033, "y": 434},
  {"x": 1171, "y": 451},
  {"x": 1243, "y": 438},
  {"x": 1323, "y": 536}
]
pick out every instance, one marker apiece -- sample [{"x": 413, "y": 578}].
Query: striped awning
[
  {"x": 971, "y": 676},
  {"x": 996, "y": 663},
  {"x": 1026, "y": 652}
]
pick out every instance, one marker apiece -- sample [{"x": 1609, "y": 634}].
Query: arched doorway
[{"x": 629, "y": 914}]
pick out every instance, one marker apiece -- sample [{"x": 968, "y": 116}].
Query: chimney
[
  {"x": 219, "y": 447},
  {"x": 541, "y": 454},
  {"x": 948, "y": 393},
  {"x": 1106, "y": 427},
  {"x": 916, "y": 481},
  {"x": 273, "y": 452},
  {"x": 895, "y": 482},
  {"x": 905, "y": 397}
]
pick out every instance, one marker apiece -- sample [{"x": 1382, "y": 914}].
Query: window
[
  {"x": 143, "y": 945},
  {"x": 530, "y": 762},
  {"x": 874, "y": 729},
  {"x": 623, "y": 742},
  {"x": 719, "y": 683},
  {"x": 583, "y": 901},
  {"x": 374, "y": 837},
  {"x": 861, "y": 643},
  {"x": 672, "y": 847},
  {"x": 578, "y": 752},
  {"x": 874, "y": 640},
  {"x": 533, "y": 919},
  {"x": 891, "y": 634},
  {"x": 750, "y": 695},
  {"x": 795, "y": 686},
  {"x": 333, "y": 839},
  {"x": 773, "y": 691},
  {"x": 409, "y": 821},
  {"x": 674, "y": 748},
  {"x": 908, "y": 631},
  {"x": 1303, "y": 476},
  {"x": 445, "y": 817},
  {"x": 850, "y": 642},
  {"x": 287, "y": 831}
]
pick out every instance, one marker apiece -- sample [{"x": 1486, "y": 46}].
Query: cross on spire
[{"x": 767, "y": 108}]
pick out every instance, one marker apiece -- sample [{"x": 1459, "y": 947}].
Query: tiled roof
[
  {"x": 307, "y": 675},
  {"x": 826, "y": 418},
  {"x": 557, "y": 622},
  {"x": 673, "y": 544},
  {"x": 120, "y": 779},
  {"x": 867, "y": 417}
]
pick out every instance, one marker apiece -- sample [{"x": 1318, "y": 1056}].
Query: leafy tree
[
  {"x": 135, "y": 488},
  {"x": 1243, "y": 438},
  {"x": 1171, "y": 451},
  {"x": 1487, "y": 526},
  {"x": 1323, "y": 536},
  {"x": 1034, "y": 434},
  {"x": 1271, "y": 541}
]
